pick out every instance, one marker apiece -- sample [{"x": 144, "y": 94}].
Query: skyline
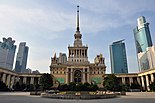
[{"x": 42, "y": 25}]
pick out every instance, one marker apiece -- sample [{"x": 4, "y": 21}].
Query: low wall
[{"x": 71, "y": 96}]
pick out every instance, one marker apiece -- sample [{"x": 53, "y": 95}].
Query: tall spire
[
  {"x": 77, "y": 28},
  {"x": 77, "y": 35}
]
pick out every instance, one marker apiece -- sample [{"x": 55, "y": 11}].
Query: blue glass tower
[
  {"x": 142, "y": 35},
  {"x": 118, "y": 57}
]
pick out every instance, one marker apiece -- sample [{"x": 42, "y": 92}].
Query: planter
[{"x": 123, "y": 93}]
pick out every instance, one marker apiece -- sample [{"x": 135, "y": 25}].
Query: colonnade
[
  {"x": 144, "y": 79},
  {"x": 10, "y": 78},
  {"x": 82, "y": 53}
]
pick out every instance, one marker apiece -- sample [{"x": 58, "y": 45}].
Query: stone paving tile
[
  {"x": 20, "y": 97},
  {"x": 139, "y": 95}
]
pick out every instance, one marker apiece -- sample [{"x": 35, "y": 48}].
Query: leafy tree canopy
[
  {"x": 46, "y": 81},
  {"x": 111, "y": 83}
]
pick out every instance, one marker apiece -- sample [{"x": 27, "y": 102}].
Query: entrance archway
[{"x": 77, "y": 76}]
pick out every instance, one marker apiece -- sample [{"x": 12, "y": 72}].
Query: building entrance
[{"x": 77, "y": 76}]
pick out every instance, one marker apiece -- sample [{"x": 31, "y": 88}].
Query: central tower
[
  {"x": 77, "y": 68},
  {"x": 78, "y": 52}
]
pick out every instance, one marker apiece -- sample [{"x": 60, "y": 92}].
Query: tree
[
  {"x": 135, "y": 86},
  {"x": 124, "y": 87},
  {"x": 152, "y": 86},
  {"x": 46, "y": 81},
  {"x": 86, "y": 87},
  {"x": 19, "y": 87},
  {"x": 93, "y": 87},
  {"x": 3, "y": 87},
  {"x": 111, "y": 83},
  {"x": 29, "y": 87},
  {"x": 72, "y": 86},
  {"x": 79, "y": 87},
  {"x": 63, "y": 87}
]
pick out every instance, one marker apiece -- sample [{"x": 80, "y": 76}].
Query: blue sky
[{"x": 48, "y": 26}]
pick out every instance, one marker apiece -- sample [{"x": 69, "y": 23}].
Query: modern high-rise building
[
  {"x": 143, "y": 41},
  {"x": 62, "y": 58},
  {"x": 21, "y": 60},
  {"x": 147, "y": 59},
  {"x": 118, "y": 57},
  {"x": 142, "y": 35},
  {"x": 7, "y": 52}
]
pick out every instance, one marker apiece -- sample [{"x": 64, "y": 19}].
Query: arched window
[{"x": 77, "y": 76}]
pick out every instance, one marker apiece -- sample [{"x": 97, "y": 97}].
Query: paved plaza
[{"x": 24, "y": 97}]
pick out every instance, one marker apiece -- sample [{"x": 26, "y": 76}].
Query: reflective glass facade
[
  {"x": 21, "y": 60},
  {"x": 143, "y": 41},
  {"x": 7, "y": 52},
  {"x": 118, "y": 57},
  {"x": 142, "y": 35}
]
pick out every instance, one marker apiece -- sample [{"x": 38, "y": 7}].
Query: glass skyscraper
[
  {"x": 7, "y": 52},
  {"x": 21, "y": 60},
  {"x": 142, "y": 35},
  {"x": 143, "y": 42},
  {"x": 118, "y": 57}
]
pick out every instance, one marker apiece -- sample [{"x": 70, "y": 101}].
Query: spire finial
[{"x": 78, "y": 28}]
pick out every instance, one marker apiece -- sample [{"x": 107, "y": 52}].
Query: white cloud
[
  {"x": 109, "y": 14},
  {"x": 33, "y": 20}
]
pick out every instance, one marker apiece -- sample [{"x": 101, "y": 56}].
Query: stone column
[
  {"x": 71, "y": 75},
  {"x": 138, "y": 80},
  {"x": 123, "y": 80},
  {"x": 147, "y": 83},
  {"x": 38, "y": 80},
  {"x": 1, "y": 75},
  {"x": 87, "y": 75},
  {"x": 70, "y": 54},
  {"x": 66, "y": 75},
  {"x": 130, "y": 80},
  {"x": 24, "y": 80},
  {"x": 32, "y": 80},
  {"x": 84, "y": 53},
  {"x": 76, "y": 53},
  {"x": 152, "y": 78},
  {"x": 17, "y": 79},
  {"x": 83, "y": 76},
  {"x": 143, "y": 85},
  {"x": 12, "y": 81},
  {"x": 8, "y": 81},
  {"x": 81, "y": 53},
  {"x": 4, "y": 78}
]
